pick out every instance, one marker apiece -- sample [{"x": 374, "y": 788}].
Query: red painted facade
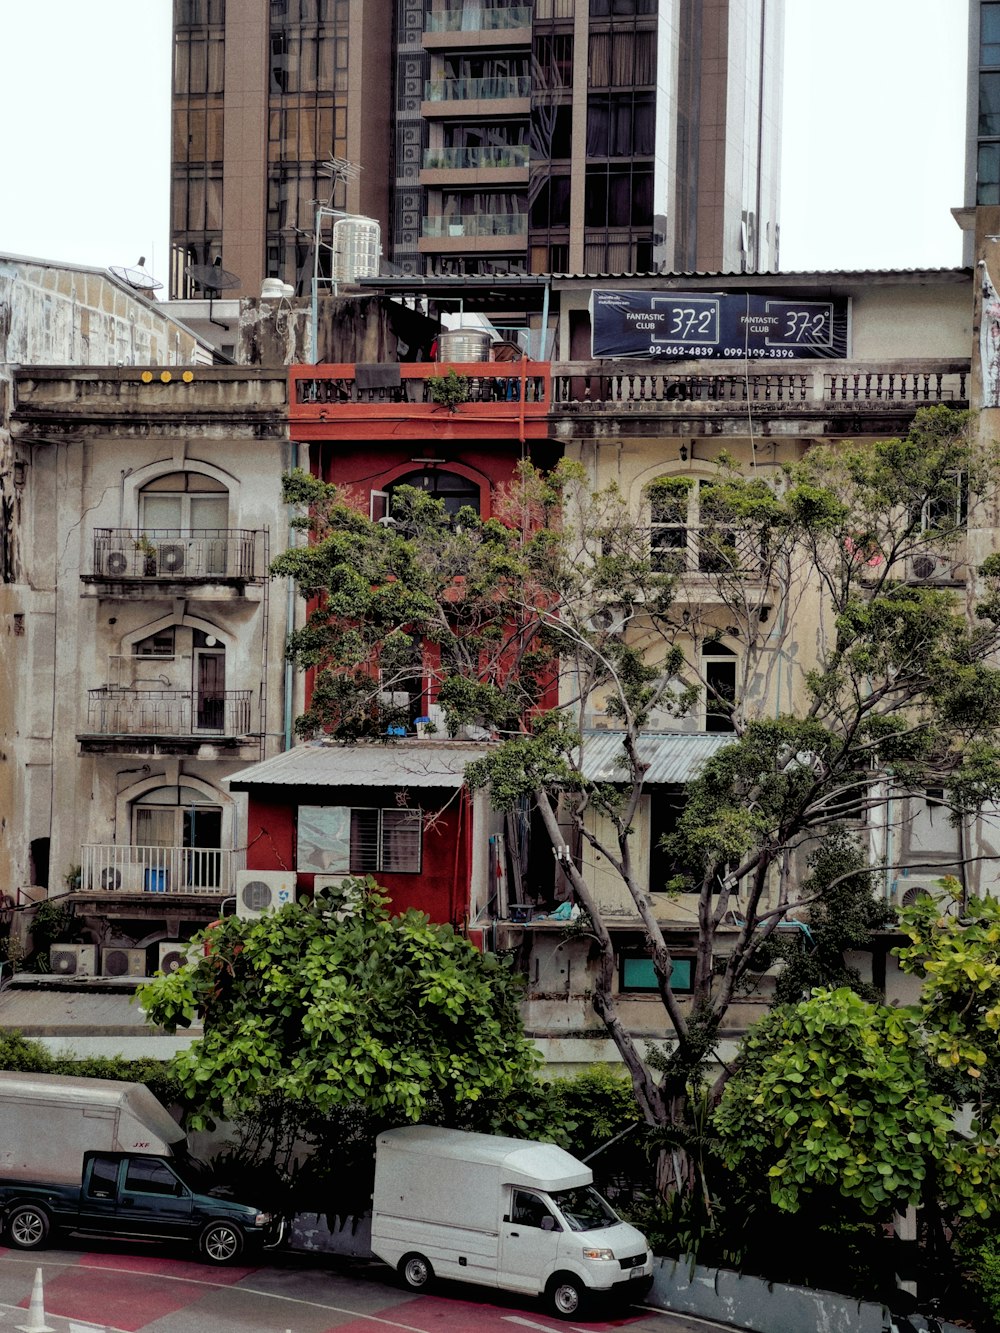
[
  {"x": 367, "y": 440},
  {"x": 440, "y": 888}
]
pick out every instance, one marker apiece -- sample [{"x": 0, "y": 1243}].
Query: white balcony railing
[{"x": 209, "y": 871}]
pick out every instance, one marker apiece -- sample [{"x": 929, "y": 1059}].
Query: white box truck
[
  {"x": 507, "y": 1213},
  {"x": 50, "y": 1121}
]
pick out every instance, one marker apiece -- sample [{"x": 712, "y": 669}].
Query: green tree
[
  {"x": 893, "y": 688},
  {"x": 835, "y": 1093},
  {"x": 841, "y": 1094},
  {"x": 333, "y": 1003}
]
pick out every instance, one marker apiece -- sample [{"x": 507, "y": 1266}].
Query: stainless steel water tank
[{"x": 464, "y": 345}]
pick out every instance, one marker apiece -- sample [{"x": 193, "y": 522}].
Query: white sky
[{"x": 874, "y": 129}]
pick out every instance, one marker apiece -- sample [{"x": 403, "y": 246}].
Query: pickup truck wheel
[
  {"x": 416, "y": 1272},
  {"x": 27, "y": 1226},
  {"x": 566, "y": 1296},
  {"x": 221, "y": 1242}
]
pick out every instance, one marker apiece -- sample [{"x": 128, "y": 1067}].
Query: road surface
[{"x": 156, "y": 1290}]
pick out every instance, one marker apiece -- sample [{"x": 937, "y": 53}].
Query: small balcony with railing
[
  {"x": 200, "y": 562},
  {"x": 492, "y": 164},
  {"x": 109, "y": 871},
  {"x": 148, "y": 717},
  {"x": 504, "y": 400},
  {"x": 470, "y": 98},
  {"x": 815, "y": 398},
  {"x": 487, "y": 231},
  {"x": 443, "y": 26}
]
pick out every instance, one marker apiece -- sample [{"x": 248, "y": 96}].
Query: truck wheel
[
  {"x": 27, "y": 1226},
  {"x": 221, "y": 1242},
  {"x": 416, "y": 1272},
  {"x": 566, "y": 1296}
]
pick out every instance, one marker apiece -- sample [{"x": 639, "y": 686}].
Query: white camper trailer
[{"x": 500, "y": 1212}]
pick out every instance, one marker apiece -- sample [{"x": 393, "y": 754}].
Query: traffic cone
[{"x": 36, "y": 1309}]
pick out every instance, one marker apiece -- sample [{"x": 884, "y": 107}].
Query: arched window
[
  {"x": 184, "y": 502},
  {"x": 180, "y": 831},
  {"x": 184, "y": 522},
  {"x": 453, "y": 489}
]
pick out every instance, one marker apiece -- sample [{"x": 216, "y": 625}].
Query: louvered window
[{"x": 377, "y": 840}]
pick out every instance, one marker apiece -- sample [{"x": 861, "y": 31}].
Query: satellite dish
[
  {"x": 136, "y": 278},
  {"x": 212, "y": 278}
]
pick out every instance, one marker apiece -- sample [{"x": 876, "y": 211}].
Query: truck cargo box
[{"x": 50, "y": 1121}]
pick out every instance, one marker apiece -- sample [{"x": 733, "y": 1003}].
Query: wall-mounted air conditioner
[
  {"x": 907, "y": 894},
  {"x": 73, "y": 960},
  {"x": 120, "y": 962},
  {"x": 174, "y": 954},
  {"x": 171, "y": 558},
  {"x": 347, "y": 903},
  {"x": 260, "y": 891},
  {"x": 928, "y": 567}
]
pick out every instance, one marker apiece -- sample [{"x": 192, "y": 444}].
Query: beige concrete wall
[{"x": 50, "y": 314}]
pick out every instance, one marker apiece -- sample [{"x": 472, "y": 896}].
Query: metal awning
[
  {"x": 672, "y": 758},
  {"x": 401, "y": 763}
]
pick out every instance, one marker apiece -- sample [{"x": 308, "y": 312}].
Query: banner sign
[{"x": 728, "y": 326}]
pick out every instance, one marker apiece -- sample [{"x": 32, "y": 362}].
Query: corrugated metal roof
[
  {"x": 364, "y": 764},
  {"x": 673, "y": 758}
]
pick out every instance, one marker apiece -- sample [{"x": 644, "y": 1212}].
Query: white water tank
[
  {"x": 464, "y": 345},
  {"x": 357, "y": 248}
]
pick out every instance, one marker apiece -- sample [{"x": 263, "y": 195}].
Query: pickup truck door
[
  {"x": 152, "y": 1200},
  {"x": 99, "y": 1196}
]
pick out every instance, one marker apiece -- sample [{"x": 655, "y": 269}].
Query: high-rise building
[
  {"x": 982, "y": 141},
  {"x": 559, "y": 136}
]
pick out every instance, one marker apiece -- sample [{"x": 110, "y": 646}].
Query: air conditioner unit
[
  {"x": 117, "y": 961},
  {"x": 609, "y": 619},
  {"x": 348, "y": 902},
  {"x": 116, "y": 563},
  {"x": 73, "y": 960},
  {"x": 907, "y": 894},
  {"x": 171, "y": 558},
  {"x": 260, "y": 891},
  {"x": 174, "y": 954},
  {"x": 928, "y": 567}
]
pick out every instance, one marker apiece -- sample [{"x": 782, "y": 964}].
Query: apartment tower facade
[{"x": 559, "y": 136}]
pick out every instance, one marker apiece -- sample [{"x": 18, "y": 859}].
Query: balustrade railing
[
  {"x": 107, "y": 868},
  {"x": 114, "y": 711},
  {"x": 175, "y": 553},
  {"x": 810, "y": 386}
]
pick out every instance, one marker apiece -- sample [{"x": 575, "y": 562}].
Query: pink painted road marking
[
  {"x": 223, "y": 1276},
  {"x": 454, "y": 1316},
  {"x": 132, "y": 1298}
]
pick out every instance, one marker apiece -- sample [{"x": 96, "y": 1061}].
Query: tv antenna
[
  {"x": 213, "y": 280},
  {"x": 137, "y": 278}
]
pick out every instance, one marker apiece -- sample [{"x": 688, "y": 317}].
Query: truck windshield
[{"x": 584, "y": 1209}]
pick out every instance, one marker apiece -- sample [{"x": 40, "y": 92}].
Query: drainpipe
[
  {"x": 545, "y": 320},
  {"x": 289, "y": 679}
]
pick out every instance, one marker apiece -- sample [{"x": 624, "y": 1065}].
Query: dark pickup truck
[{"x": 134, "y": 1196}]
